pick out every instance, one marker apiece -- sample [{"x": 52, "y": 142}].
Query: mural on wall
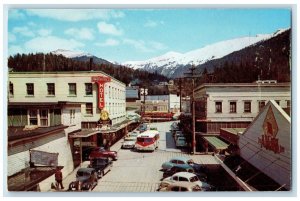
[{"x": 268, "y": 139}]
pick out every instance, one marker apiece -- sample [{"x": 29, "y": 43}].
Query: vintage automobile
[
  {"x": 176, "y": 160},
  {"x": 186, "y": 176},
  {"x": 102, "y": 152},
  {"x": 129, "y": 143},
  {"x": 184, "y": 168},
  {"x": 101, "y": 165},
  {"x": 86, "y": 180},
  {"x": 181, "y": 186}
]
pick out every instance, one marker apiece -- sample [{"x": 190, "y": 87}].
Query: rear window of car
[
  {"x": 194, "y": 178},
  {"x": 82, "y": 173},
  {"x": 183, "y": 179}
]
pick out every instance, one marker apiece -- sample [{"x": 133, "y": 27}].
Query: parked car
[
  {"x": 98, "y": 152},
  {"x": 129, "y": 143},
  {"x": 181, "y": 142},
  {"x": 134, "y": 133},
  {"x": 86, "y": 179},
  {"x": 143, "y": 127},
  {"x": 186, "y": 176},
  {"x": 176, "y": 160},
  {"x": 181, "y": 186},
  {"x": 184, "y": 168},
  {"x": 101, "y": 165}
]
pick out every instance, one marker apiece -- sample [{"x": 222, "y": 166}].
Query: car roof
[
  {"x": 85, "y": 169},
  {"x": 184, "y": 174},
  {"x": 182, "y": 158},
  {"x": 183, "y": 166},
  {"x": 186, "y": 184}
]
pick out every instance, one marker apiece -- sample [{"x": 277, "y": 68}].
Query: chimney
[{"x": 91, "y": 63}]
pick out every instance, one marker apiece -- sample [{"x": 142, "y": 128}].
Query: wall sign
[
  {"x": 268, "y": 140},
  {"x": 101, "y": 80}
]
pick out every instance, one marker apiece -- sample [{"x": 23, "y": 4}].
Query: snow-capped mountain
[
  {"x": 168, "y": 63},
  {"x": 71, "y": 53}
]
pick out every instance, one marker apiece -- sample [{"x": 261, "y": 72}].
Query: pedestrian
[{"x": 58, "y": 178}]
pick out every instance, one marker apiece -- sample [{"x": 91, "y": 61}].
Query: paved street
[{"x": 139, "y": 171}]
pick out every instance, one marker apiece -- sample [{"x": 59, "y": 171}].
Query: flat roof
[
  {"x": 216, "y": 142},
  {"x": 234, "y": 131}
]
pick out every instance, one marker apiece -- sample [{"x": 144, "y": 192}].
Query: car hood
[
  {"x": 129, "y": 143},
  {"x": 82, "y": 178}
]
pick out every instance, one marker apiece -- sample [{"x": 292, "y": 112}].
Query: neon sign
[{"x": 100, "y": 80}]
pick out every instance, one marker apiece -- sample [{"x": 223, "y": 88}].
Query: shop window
[
  {"x": 218, "y": 107},
  {"x": 51, "y": 88},
  {"x": 72, "y": 89},
  {"x": 44, "y": 117},
  {"x": 232, "y": 107},
  {"x": 88, "y": 89},
  {"x": 33, "y": 117},
  {"x": 89, "y": 108},
  {"x": 30, "y": 89}
]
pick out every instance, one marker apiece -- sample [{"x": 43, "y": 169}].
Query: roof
[
  {"x": 184, "y": 174},
  {"x": 148, "y": 133},
  {"x": 85, "y": 169},
  {"x": 234, "y": 131},
  {"x": 83, "y": 133},
  {"x": 29, "y": 177},
  {"x": 216, "y": 142},
  {"x": 182, "y": 158}
]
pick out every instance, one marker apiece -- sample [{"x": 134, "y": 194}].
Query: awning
[
  {"x": 29, "y": 178},
  {"x": 83, "y": 134},
  {"x": 216, "y": 142}
]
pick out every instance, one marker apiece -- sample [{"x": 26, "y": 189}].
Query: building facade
[{"x": 235, "y": 105}]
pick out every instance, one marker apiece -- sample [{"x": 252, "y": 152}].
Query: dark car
[
  {"x": 184, "y": 168},
  {"x": 99, "y": 152},
  {"x": 101, "y": 165},
  {"x": 86, "y": 179}
]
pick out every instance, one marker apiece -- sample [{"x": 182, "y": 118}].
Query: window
[
  {"x": 51, "y": 88},
  {"x": 72, "y": 116},
  {"x": 247, "y": 106},
  {"x": 72, "y": 89},
  {"x": 33, "y": 118},
  {"x": 44, "y": 117},
  {"x": 232, "y": 107},
  {"x": 218, "y": 107},
  {"x": 261, "y": 104},
  {"x": 30, "y": 89},
  {"x": 11, "y": 89},
  {"x": 183, "y": 179},
  {"x": 88, "y": 89},
  {"x": 89, "y": 108},
  {"x": 288, "y": 103}
]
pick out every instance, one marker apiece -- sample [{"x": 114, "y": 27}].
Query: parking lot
[{"x": 140, "y": 171}]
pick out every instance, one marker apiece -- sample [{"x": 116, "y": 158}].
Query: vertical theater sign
[
  {"x": 268, "y": 139},
  {"x": 100, "y": 81}
]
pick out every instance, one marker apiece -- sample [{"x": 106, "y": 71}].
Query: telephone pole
[{"x": 192, "y": 75}]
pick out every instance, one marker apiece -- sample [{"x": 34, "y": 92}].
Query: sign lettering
[{"x": 100, "y": 80}]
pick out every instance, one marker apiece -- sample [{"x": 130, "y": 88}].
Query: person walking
[{"x": 58, "y": 178}]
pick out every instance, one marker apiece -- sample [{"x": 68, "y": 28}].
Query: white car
[
  {"x": 129, "y": 143},
  {"x": 185, "y": 176}
]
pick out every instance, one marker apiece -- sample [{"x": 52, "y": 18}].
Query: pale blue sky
[{"x": 133, "y": 34}]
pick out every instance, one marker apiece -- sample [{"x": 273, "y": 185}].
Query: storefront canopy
[{"x": 216, "y": 142}]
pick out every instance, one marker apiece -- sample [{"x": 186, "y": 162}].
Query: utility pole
[
  {"x": 192, "y": 75},
  {"x": 180, "y": 95}
]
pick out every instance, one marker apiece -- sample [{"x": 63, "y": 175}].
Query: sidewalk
[{"x": 72, "y": 176}]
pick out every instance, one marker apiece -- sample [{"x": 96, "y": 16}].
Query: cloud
[
  {"x": 83, "y": 33},
  {"x": 109, "y": 29},
  {"x": 11, "y": 37},
  {"x": 75, "y": 15},
  {"x": 24, "y": 31},
  {"x": 141, "y": 45},
  {"x": 15, "y": 14},
  {"x": 44, "y": 32},
  {"x": 109, "y": 42},
  {"x": 50, "y": 43},
  {"x": 151, "y": 23}
]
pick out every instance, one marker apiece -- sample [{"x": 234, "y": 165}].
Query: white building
[
  {"x": 46, "y": 110},
  {"x": 235, "y": 105},
  {"x": 266, "y": 144},
  {"x": 166, "y": 103}
]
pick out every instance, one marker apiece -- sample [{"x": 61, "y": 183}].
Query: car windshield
[
  {"x": 194, "y": 178},
  {"x": 82, "y": 173},
  {"x": 98, "y": 162},
  {"x": 147, "y": 140}
]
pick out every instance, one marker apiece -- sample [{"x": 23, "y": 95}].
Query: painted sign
[
  {"x": 100, "y": 80},
  {"x": 268, "y": 140},
  {"x": 43, "y": 158}
]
